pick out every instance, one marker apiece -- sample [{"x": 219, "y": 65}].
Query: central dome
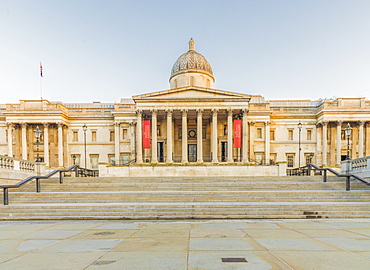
[{"x": 191, "y": 61}]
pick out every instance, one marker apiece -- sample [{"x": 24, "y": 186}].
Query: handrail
[
  {"x": 38, "y": 186},
  {"x": 325, "y": 170}
]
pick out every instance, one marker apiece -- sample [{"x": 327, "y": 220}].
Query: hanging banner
[
  {"x": 237, "y": 133},
  {"x": 146, "y": 134}
]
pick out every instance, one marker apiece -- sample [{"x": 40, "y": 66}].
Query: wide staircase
[{"x": 188, "y": 198}]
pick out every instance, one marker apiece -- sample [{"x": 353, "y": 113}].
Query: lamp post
[
  {"x": 311, "y": 156},
  {"x": 299, "y": 146},
  {"x": 84, "y": 127},
  {"x": 74, "y": 159},
  {"x": 37, "y": 135},
  {"x": 348, "y": 131}
]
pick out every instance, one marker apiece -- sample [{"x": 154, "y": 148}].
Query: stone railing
[
  {"x": 15, "y": 169},
  {"x": 358, "y": 166}
]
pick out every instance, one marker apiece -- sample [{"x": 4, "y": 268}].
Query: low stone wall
[
  {"x": 13, "y": 170},
  {"x": 106, "y": 170},
  {"x": 358, "y": 166}
]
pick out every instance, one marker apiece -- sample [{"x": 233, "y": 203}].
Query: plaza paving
[{"x": 203, "y": 244}]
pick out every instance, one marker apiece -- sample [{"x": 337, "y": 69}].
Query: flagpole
[{"x": 41, "y": 84}]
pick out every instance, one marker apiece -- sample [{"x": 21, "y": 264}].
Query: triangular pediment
[{"x": 191, "y": 93}]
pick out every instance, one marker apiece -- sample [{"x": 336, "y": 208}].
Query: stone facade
[{"x": 190, "y": 123}]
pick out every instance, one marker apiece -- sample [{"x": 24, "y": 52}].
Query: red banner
[
  {"x": 146, "y": 134},
  {"x": 237, "y": 133}
]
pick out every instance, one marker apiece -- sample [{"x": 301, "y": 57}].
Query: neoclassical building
[{"x": 192, "y": 122}]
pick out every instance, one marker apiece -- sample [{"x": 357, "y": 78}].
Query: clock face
[{"x": 192, "y": 133}]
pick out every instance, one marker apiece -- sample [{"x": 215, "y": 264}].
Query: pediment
[{"x": 191, "y": 93}]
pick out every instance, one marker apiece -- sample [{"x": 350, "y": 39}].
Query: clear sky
[{"x": 105, "y": 50}]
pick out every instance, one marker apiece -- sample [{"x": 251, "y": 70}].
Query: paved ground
[{"x": 264, "y": 244}]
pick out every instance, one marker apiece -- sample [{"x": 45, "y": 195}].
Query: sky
[{"x": 106, "y": 50}]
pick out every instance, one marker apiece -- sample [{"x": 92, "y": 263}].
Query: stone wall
[{"x": 191, "y": 171}]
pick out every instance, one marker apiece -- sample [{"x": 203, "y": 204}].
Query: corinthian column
[
  {"x": 267, "y": 142},
  {"x": 154, "y": 136},
  {"x": 245, "y": 136},
  {"x": 169, "y": 137},
  {"x": 324, "y": 142},
  {"x": 339, "y": 142},
  {"x": 184, "y": 158},
  {"x": 200, "y": 136},
  {"x": 116, "y": 142},
  {"x": 46, "y": 144},
  {"x": 10, "y": 139},
  {"x": 214, "y": 136},
  {"x": 229, "y": 135},
  {"x": 361, "y": 139},
  {"x": 60, "y": 144},
  {"x": 139, "y": 137},
  {"x": 24, "y": 140}
]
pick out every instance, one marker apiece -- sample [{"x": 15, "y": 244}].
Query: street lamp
[
  {"x": 74, "y": 159},
  {"x": 84, "y": 127},
  {"x": 37, "y": 135},
  {"x": 348, "y": 131},
  {"x": 299, "y": 145}
]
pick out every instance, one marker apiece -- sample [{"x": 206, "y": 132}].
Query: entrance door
[
  {"x": 223, "y": 151},
  {"x": 160, "y": 155},
  {"x": 192, "y": 153}
]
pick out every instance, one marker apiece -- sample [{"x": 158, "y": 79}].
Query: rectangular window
[
  {"x": 159, "y": 131},
  {"x": 259, "y": 158},
  {"x": 309, "y": 158},
  {"x": 75, "y": 136},
  {"x": 111, "y": 136},
  {"x": 259, "y": 133},
  {"x": 94, "y": 159},
  {"x": 225, "y": 130},
  {"x": 309, "y": 134},
  {"x": 290, "y": 160},
  {"x": 272, "y": 135},
  {"x": 112, "y": 159},
  {"x": 93, "y": 136},
  {"x": 125, "y": 158},
  {"x": 290, "y": 134},
  {"x": 124, "y": 134}
]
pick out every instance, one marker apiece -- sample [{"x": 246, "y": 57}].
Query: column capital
[
  {"x": 60, "y": 124},
  {"x": 200, "y": 111},
  {"x": 184, "y": 112},
  {"x": 230, "y": 112},
  {"x": 169, "y": 112},
  {"x": 132, "y": 124},
  {"x": 23, "y": 124},
  {"x": 251, "y": 123},
  {"x": 117, "y": 123},
  {"x": 139, "y": 113},
  {"x": 245, "y": 110},
  {"x": 325, "y": 123},
  {"x": 267, "y": 123},
  {"x": 214, "y": 111},
  {"x": 46, "y": 124},
  {"x": 339, "y": 122},
  {"x": 154, "y": 111},
  {"x": 9, "y": 125},
  {"x": 361, "y": 122}
]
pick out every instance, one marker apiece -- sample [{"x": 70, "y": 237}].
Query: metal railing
[
  {"x": 79, "y": 172},
  {"x": 308, "y": 169}
]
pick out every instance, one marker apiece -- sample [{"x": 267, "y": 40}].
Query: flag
[
  {"x": 237, "y": 133},
  {"x": 41, "y": 69}
]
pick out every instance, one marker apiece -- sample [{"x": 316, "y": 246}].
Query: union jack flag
[{"x": 41, "y": 69}]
